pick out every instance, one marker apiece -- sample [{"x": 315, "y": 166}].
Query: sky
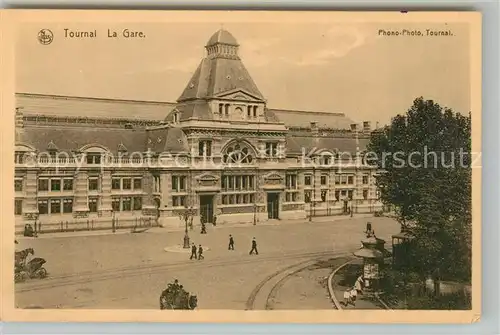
[{"x": 332, "y": 67}]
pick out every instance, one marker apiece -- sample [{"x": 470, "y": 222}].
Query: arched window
[{"x": 238, "y": 153}]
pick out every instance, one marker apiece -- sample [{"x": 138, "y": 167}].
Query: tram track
[
  {"x": 264, "y": 293},
  {"x": 133, "y": 271}
]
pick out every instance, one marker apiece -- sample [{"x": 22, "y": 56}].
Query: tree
[{"x": 425, "y": 162}]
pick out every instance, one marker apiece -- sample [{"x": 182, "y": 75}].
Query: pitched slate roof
[
  {"x": 217, "y": 75},
  {"x": 168, "y": 139},
  {"x": 58, "y": 105},
  {"x": 303, "y": 119},
  {"x": 74, "y": 138},
  {"x": 296, "y": 145}
]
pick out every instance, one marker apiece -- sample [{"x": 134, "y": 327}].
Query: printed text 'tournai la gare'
[{"x": 109, "y": 33}]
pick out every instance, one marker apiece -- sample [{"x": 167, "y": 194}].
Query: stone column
[
  {"x": 105, "y": 208},
  {"x": 80, "y": 204}
]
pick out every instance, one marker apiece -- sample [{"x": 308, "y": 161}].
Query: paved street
[{"x": 130, "y": 270}]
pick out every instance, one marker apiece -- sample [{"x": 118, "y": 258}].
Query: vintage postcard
[{"x": 241, "y": 166}]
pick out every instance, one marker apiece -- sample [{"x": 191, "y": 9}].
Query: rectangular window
[
  {"x": 245, "y": 198},
  {"x": 323, "y": 180},
  {"x": 343, "y": 193},
  {"x": 55, "y": 184},
  {"x": 307, "y": 180},
  {"x": 350, "y": 180},
  {"x": 337, "y": 179},
  {"x": 365, "y": 194},
  {"x": 126, "y": 204},
  {"x": 291, "y": 181},
  {"x": 43, "y": 207},
  {"x": 93, "y": 204},
  {"x": 115, "y": 204},
  {"x": 325, "y": 160},
  {"x": 205, "y": 148},
  {"x": 224, "y": 199},
  {"x": 343, "y": 180},
  {"x": 251, "y": 198},
  {"x": 55, "y": 206},
  {"x": 250, "y": 182},
  {"x": 223, "y": 182},
  {"x": 238, "y": 182},
  {"x": 115, "y": 184},
  {"x": 323, "y": 195},
  {"x": 127, "y": 183},
  {"x": 179, "y": 201},
  {"x": 307, "y": 196},
  {"x": 365, "y": 180},
  {"x": 349, "y": 194},
  {"x": 18, "y": 207},
  {"x": 67, "y": 184},
  {"x": 271, "y": 149},
  {"x": 221, "y": 109},
  {"x": 255, "y": 111},
  {"x": 43, "y": 184},
  {"x": 93, "y": 184},
  {"x": 337, "y": 195},
  {"x": 249, "y": 111},
  {"x": 182, "y": 183},
  {"x": 137, "y": 203},
  {"x": 18, "y": 185},
  {"x": 175, "y": 183},
  {"x": 244, "y": 182},
  {"x": 67, "y": 205},
  {"x": 137, "y": 183},
  {"x": 231, "y": 182}
]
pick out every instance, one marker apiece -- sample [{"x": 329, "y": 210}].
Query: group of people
[
  {"x": 351, "y": 293},
  {"x": 197, "y": 252}
]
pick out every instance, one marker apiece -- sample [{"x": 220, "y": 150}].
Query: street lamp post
[
  {"x": 254, "y": 214},
  {"x": 186, "y": 214}
]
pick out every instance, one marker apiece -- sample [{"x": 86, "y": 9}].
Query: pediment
[
  {"x": 273, "y": 176},
  {"x": 238, "y": 95},
  {"x": 207, "y": 177}
]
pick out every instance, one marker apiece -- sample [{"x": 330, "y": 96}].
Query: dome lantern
[{"x": 222, "y": 44}]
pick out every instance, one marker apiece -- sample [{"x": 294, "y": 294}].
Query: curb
[{"x": 335, "y": 301}]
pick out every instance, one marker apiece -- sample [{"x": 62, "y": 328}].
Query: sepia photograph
[{"x": 298, "y": 165}]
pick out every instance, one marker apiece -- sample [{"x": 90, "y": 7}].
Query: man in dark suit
[
  {"x": 231, "y": 243},
  {"x": 254, "y": 247},
  {"x": 193, "y": 252}
]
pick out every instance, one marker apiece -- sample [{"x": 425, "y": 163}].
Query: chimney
[
  {"x": 354, "y": 126},
  {"x": 314, "y": 128},
  {"x": 367, "y": 126},
  {"x": 19, "y": 118}
]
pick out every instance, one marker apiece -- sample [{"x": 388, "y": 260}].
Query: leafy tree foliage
[{"x": 425, "y": 159}]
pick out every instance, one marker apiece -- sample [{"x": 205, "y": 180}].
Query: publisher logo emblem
[{"x": 45, "y": 36}]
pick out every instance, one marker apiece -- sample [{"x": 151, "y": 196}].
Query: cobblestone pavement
[{"x": 130, "y": 270}]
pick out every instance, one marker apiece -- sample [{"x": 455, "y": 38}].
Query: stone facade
[{"x": 219, "y": 151}]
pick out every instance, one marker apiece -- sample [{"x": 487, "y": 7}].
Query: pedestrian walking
[
  {"x": 193, "y": 252},
  {"x": 203, "y": 228},
  {"x": 200, "y": 253},
  {"x": 359, "y": 285},
  {"x": 231, "y": 243},
  {"x": 347, "y": 297},
  {"x": 215, "y": 220},
  {"x": 354, "y": 295},
  {"x": 254, "y": 247}
]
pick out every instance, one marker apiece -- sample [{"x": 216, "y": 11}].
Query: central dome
[{"x": 223, "y": 37}]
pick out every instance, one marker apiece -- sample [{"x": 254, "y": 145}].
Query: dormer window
[
  {"x": 52, "y": 149},
  {"x": 271, "y": 149},
  {"x": 176, "y": 117},
  {"x": 93, "y": 158}
]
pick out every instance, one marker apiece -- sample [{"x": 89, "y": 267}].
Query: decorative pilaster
[
  {"x": 30, "y": 207},
  {"x": 106, "y": 209},
  {"x": 148, "y": 205},
  {"x": 81, "y": 207}
]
